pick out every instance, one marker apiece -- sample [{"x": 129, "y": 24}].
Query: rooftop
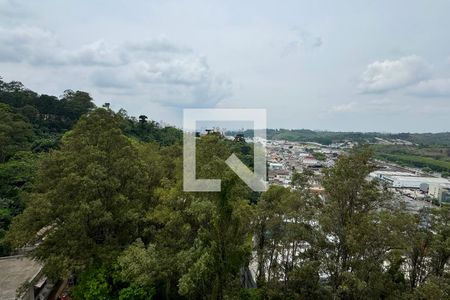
[
  {"x": 422, "y": 179},
  {"x": 15, "y": 270}
]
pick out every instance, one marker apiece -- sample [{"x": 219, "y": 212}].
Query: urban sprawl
[{"x": 412, "y": 187}]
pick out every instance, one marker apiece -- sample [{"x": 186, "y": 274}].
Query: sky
[{"x": 354, "y": 65}]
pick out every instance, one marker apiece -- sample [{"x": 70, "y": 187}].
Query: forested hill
[
  {"x": 40, "y": 120},
  {"x": 328, "y": 137},
  {"x": 32, "y": 124}
]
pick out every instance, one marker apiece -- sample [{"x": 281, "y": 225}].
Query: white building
[
  {"x": 440, "y": 192},
  {"x": 275, "y": 166},
  {"x": 381, "y": 174},
  {"x": 308, "y": 161},
  {"x": 413, "y": 181}
]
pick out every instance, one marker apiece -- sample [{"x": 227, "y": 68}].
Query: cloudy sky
[{"x": 337, "y": 65}]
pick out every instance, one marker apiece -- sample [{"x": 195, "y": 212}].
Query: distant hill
[
  {"x": 329, "y": 137},
  {"x": 49, "y": 117}
]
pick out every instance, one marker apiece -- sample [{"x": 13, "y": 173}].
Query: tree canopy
[{"x": 98, "y": 195}]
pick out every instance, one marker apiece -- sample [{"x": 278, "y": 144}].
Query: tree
[
  {"x": 440, "y": 246},
  {"x": 76, "y": 104},
  {"x": 16, "y": 177},
  {"x": 93, "y": 285},
  {"x": 201, "y": 240},
  {"x": 285, "y": 240},
  {"x": 143, "y": 119},
  {"x": 15, "y": 133},
  {"x": 89, "y": 198},
  {"x": 355, "y": 242}
]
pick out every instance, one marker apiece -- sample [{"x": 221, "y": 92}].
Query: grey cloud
[
  {"x": 158, "y": 45},
  {"x": 39, "y": 47},
  {"x": 318, "y": 42},
  {"x": 439, "y": 87},
  {"x": 109, "y": 80},
  {"x": 96, "y": 54},
  {"x": 31, "y": 45},
  {"x": 301, "y": 39},
  {"x": 173, "y": 75},
  {"x": 387, "y": 75},
  {"x": 12, "y": 9},
  {"x": 185, "y": 81},
  {"x": 184, "y": 70},
  {"x": 179, "y": 73}
]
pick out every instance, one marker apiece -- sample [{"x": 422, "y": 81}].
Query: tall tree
[
  {"x": 89, "y": 197},
  {"x": 15, "y": 133},
  {"x": 354, "y": 243},
  {"x": 201, "y": 240}
]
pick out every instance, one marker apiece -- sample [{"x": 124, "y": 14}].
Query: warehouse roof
[{"x": 419, "y": 179}]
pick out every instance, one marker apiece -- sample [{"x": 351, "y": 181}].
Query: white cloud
[
  {"x": 439, "y": 87},
  {"x": 168, "y": 74},
  {"x": 171, "y": 74},
  {"x": 387, "y": 75}
]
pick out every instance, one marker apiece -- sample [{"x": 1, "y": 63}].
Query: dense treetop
[
  {"x": 31, "y": 125},
  {"x": 97, "y": 195}
]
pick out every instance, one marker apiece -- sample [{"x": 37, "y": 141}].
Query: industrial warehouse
[{"x": 437, "y": 188}]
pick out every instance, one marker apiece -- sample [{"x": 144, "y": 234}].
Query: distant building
[
  {"x": 275, "y": 166},
  {"x": 441, "y": 192},
  {"x": 424, "y": 187},
  {"x": 382, "y": 174},
  {"x": 311, "y": 162},
  {"x": 413, "y": 182}
]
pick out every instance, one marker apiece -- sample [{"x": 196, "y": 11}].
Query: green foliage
[
  {"x": 93, "y": 285},
  {"x": 427, "y": 163},
  {"x": 319, "y": 156},
  {"x": 346, "y": 227},
  {"x": 149, "y": 131},
  {"x": 90, "y": 196},
  {"x": 329, "y": 137},
  {"x": 15, "y": 133},
  {"x": 104, "y": 283},
  {"x": 140, "y": 264},
  {"x": 29, "y": 123},
  {"x": 201, "y": 240},
  {"x": 46, "y": 113},
  {"x": 16, "y": 176},
  {"x": 433, "y": 288},
  {"x": 135, "y": 292},
  {"x": 250, "y": 294},
  {"x": 106, "y": 205}
]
